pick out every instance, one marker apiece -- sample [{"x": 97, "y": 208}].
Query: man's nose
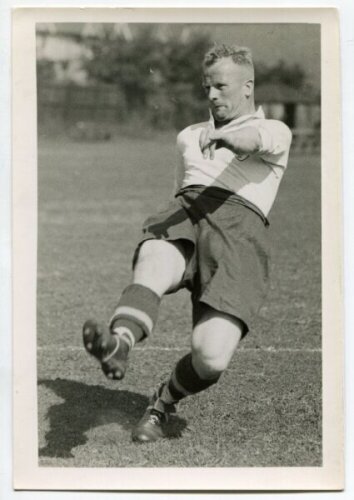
[{"x": 213, "y": 94}]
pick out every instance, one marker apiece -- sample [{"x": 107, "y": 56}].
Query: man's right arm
[{"x": 271, "y": 138}]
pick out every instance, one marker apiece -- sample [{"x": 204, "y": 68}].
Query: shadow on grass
[{"x": 87, "y": 406}]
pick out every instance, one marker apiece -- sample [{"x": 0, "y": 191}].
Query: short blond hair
[{"x": 240, "y": 55}]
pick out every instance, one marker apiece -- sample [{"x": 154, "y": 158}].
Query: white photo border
[{"x": 27, "y": 473}]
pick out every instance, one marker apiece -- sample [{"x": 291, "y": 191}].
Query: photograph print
[
  {"x": 176, "y": 249},
  {"x": 179, "y": 245}
]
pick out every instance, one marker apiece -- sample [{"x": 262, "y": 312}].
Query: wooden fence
[
  {"x": 91, "y": 111},
  {"x": 71, "y": 103}
]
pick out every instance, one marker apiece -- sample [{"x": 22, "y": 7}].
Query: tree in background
[
  {"x": 155, "y": 69},
  {"x": 45, "y": 70},
  {"x": 159, "y": 71},
  {"x": 158, "y": 75}
]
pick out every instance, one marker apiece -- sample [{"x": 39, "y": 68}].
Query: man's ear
[{"x": 248, "y": 86}]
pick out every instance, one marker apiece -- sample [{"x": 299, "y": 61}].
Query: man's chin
[
  {"x": 221, "y": 120},
  {"x": 220, "y": 117}
]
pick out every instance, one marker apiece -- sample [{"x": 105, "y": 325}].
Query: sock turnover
[
  {"x": 136, "y": 313},
  {"x": 183, "y": 381}
]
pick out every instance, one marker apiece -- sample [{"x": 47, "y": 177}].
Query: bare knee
[
  {"x": 214, "y": 341},
  {"x": 210, "y": 359},
  {"x": 159, "y": 265}
]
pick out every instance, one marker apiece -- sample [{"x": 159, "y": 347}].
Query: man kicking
[{"x": 212, "y": 239}]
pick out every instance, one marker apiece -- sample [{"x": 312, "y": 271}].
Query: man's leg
[
  {"x": 214, "y": 341},
  {"x": 159, "y": 268}
]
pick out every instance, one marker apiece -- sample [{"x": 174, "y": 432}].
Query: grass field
[{"x": 266, "y": 409}]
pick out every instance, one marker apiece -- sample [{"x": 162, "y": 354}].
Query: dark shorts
[{"x": 227, "y": 245}]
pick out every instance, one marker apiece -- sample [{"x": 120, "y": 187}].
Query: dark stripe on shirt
[{"x": 222, "y": 193}]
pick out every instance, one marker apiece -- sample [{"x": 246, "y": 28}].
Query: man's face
[{"x": 227, "y": 86}]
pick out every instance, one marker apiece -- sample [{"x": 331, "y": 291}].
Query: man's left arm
[{"x": 246, "y": 140}]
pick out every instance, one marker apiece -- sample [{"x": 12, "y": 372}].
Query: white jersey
[{"x": 255, "y": 177}]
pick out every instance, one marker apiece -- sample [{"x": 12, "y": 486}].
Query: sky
[
  {"x": 270, "y": 42},
  {"x": 294, "y": 43}
]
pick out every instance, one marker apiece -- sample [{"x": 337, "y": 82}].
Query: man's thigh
[{"x": 161, "y": 264}]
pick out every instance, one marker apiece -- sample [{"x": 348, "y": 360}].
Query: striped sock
[
  {"x": 136, "y": 314},
  {"x": 184, "y": 381}
]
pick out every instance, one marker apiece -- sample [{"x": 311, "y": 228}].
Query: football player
[{"x": 212, "y": 239}]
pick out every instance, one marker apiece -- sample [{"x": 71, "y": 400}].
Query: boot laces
[{"x": 155, "y": 417}]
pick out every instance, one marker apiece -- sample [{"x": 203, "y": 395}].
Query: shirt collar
[{"x": 259, "y": 113}]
